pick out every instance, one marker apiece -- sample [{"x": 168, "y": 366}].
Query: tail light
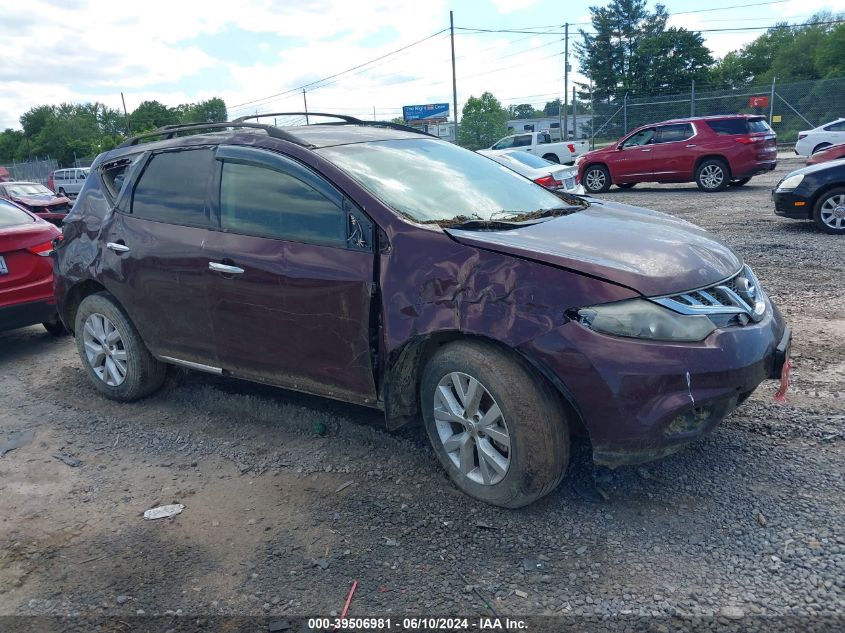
[
  {"x": 547, "y": 181},
  {"x": 748, "y": 140},
  {"x": 44, "y": 249},
  {"x": 571, "y": 148}
]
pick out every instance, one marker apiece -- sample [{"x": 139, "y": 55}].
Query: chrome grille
[{"x": 735, "y": 295}]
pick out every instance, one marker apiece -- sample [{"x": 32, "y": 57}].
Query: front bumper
[
  {"x": 641, "y": 400},
  {"x": 791, "y": 204}
]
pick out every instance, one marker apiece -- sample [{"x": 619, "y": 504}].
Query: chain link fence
[
  {"x": 37, "y": 170},
  {"x": 789, "y": 108}
]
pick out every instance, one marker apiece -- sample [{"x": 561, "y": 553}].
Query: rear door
[
  {"x": 674, "y": 152},
  {"x": 154, "y": 260},
  {"x": 292, "y": 278},
  {"x": 632, "y": 161}
]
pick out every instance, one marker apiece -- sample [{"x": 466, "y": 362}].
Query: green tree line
[{"x": 68, "y": 131}]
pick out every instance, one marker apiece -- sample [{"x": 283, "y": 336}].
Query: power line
[{"x": 343, "y": 72}]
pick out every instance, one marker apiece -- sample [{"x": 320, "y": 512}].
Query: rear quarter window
[{"x": 729, "y": 126}]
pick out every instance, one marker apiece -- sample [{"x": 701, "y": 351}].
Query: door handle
[
  {"x": 117, "y": 247},
  {"x": 692, "y": 145},
  {"x": 225, "y": 268},
  {"x": 645, "y": 150}
]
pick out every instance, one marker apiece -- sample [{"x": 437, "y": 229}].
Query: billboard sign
[{"x": 425, "y": 112}]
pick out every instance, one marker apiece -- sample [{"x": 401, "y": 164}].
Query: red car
[
  {"x": 26, "y": 270},
  {"x": 828, "y": 153},
  {"x": 38, "y": 199},
  {"x": 713, "y": 152}
]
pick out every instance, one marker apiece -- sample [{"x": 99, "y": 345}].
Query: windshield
[
  {"x": 29, "y": 190},
  {"x": 10, "y": 215},
  {"x": 434, "y": 181},
  {"x": 529, "y": 159}
]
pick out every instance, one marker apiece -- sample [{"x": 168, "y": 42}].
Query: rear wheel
[
  {"x": 552, "y": 158},
  {"x": 626, "y": 185},
  {"x": 712, "y": 175},
  {"x": 829, "y": 212},
  {"x": 820, "y": 147},
  {"x": 596, "y": 179},
  {"x": 739, "y": 182},
  {"x": 113, "y": 353},
  {"x": 498, "y": 429}
]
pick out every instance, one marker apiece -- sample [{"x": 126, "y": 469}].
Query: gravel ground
[{"x": 744, "y": 529}]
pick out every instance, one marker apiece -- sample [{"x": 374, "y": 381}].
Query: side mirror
[{"x": 619, "y": 147}]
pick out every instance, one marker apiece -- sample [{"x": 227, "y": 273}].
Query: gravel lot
[{"x": 744, "y": 529}]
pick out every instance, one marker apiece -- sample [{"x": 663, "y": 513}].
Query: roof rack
[
  {"x": 169, "y": 131},
  {"x": 345, "y": 119}
]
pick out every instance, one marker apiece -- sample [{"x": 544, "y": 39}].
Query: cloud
[{"x": 509, "y": 6}]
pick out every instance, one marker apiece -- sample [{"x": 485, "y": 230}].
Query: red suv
[{"x": 713, "y": 152}]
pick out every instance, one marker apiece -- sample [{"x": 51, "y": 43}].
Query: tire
[
  {"x": 596, "y": 179},
  {"x": 819, "y": 148},
  {"x": 627, "y": 185},
  {"x": 141, "y": 373},
  {"x": 712, "y": 175},
  {"x": 55, "y": 327},
  {"x": 829, "y": 211},
  {"x": 61, "y": 191},
  {"x": 532, "y": 421},
  {"x": 739, "y": 182},
  {"x": 552, "y": 158}
]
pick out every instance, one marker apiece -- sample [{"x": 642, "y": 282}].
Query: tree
[
  {"x": 213, "y": 110},
  {"x": 631, "y": 51},
  {"x": 483, "y": 122},
  {"x": 150, "y": 115},
  {"x": 523, "y": 111},
  {"x": 552, "y": 108}
]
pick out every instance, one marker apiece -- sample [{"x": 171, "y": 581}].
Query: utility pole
[
  {"x": 592, "y": 119},
  {"x": 574, "y": 115},
  {"x": 772, "y": 103},
  {"x": 454, "y": 80},
  {"x": 374, "y": 113},
  {"x": 565, "y": 81},
  {"x": 126, "y": 116},
  {"x": 305, "y": 101}
]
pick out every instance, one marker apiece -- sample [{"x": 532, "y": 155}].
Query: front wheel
[
  {"x": 712, "y": 175},
  {"x": 113, "y": 353},
  {"x": 829, "y": 212},
  {"x": 498, "y": 429},
  {"x": 596, "y": 179},
  {"x": 739, "y": 182}
]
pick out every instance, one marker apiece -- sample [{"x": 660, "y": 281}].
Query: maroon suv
[
  {"x": 713, "y": 152},
  {"x": 375, "y": 264}
]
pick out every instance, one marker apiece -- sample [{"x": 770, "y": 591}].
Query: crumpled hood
[
  {"x": 42, "y": 200},
  {"x": 650, "y": 252}
]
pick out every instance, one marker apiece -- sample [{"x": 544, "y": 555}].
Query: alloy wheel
[
  {"x": 833, "y": 212},
  {"x": 472, "y": 428},
  {"x": 104, "y": 349},
  {"x": 595, "y": 179},
  {"x": 712, "y": 176}
]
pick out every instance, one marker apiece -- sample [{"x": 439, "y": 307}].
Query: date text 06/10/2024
[{"x": 417, "y": 624}]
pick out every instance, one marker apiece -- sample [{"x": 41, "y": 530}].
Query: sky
[{"x": 256, "y": 53}]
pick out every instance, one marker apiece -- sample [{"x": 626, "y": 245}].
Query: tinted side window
[
  {"x": 173, "y": 187},
  {"x": 836, "y": 127},
  {"x": 673, "y": 133},
  {"x": 729, "y": 126},
  {"x": 268, "y": 203},
  {"x": 643, "y": 137},
  {"x": 758, "y": 125},
  {"x": 522, "y": 141}
]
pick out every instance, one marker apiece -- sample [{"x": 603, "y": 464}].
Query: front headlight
[
  {"x": 790, "y": 182},
  {"x": 639, "y": 318}
]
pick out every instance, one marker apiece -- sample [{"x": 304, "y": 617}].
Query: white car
[
  {"x": 812, "y": 141},
  {"x": 549, "y": 175}
]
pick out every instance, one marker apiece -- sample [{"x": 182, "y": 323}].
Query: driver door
[{"x": 633, "y": 162}]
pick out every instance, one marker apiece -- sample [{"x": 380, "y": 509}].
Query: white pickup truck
[{"x": 540, "y": 144}]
